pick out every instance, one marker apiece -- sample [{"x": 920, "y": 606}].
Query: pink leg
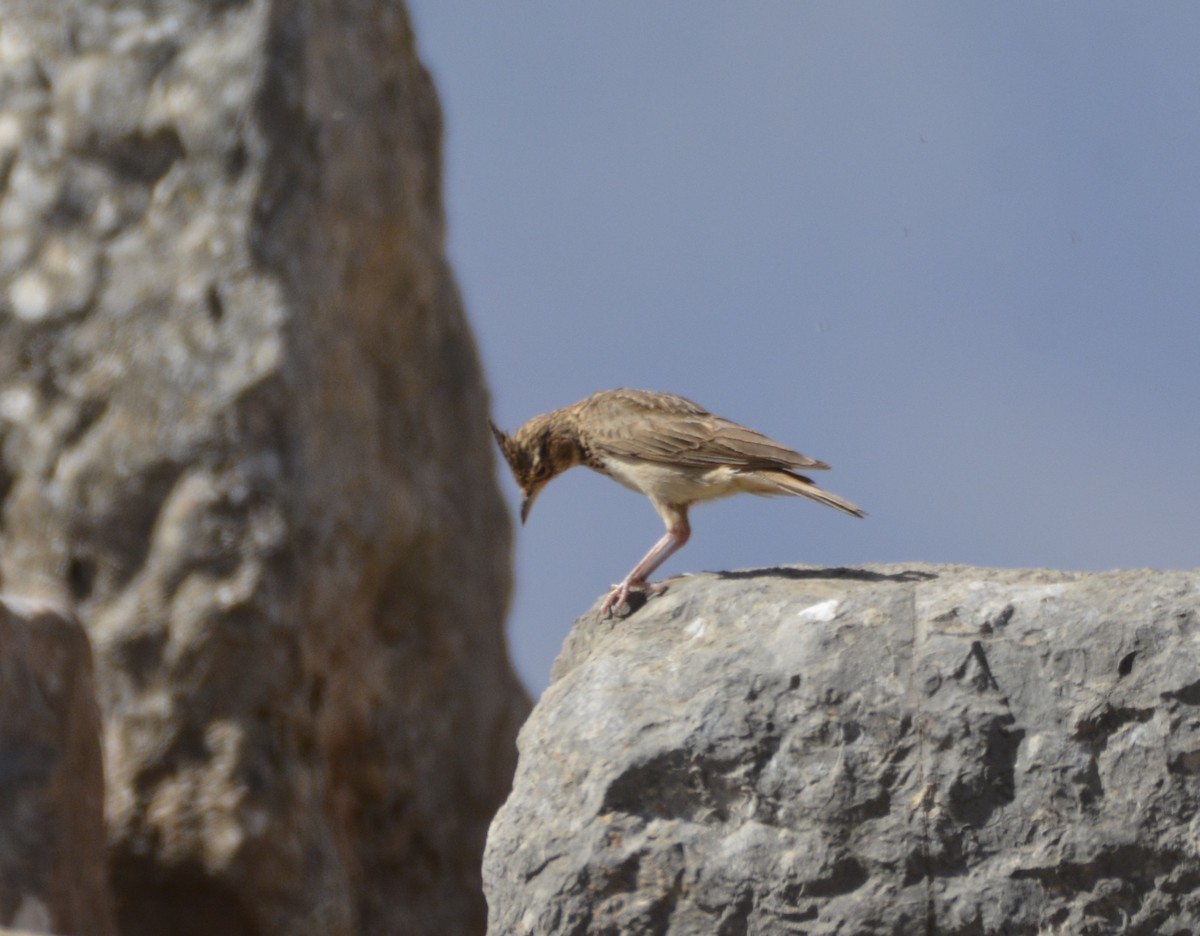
[{"x": 666, "y": 547}]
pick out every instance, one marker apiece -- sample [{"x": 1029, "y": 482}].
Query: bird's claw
[{"x": 620, "y": 594}]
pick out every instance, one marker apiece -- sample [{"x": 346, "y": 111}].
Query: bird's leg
[{"x": 677, "y": 535}]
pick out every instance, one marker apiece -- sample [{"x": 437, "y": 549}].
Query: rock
[
  {"x": 243, "y": 430},
  {"x": 891, "y": 749},
  {"x": 53, "y": 865}
]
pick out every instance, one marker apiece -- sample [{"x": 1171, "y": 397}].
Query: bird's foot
[
  {"x": 616, "y": 598},
  {"x": 619, "y": 596}
]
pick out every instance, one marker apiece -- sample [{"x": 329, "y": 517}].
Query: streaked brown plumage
[{"x": 665, "y": 446}]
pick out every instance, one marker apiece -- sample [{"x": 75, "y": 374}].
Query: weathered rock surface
[
  {"x": 53, "y": 863},
  {"x": 243, "y": 430},
  {"x": 886, "y": 750}
]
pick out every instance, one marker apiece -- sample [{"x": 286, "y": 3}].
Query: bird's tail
[{"x": 784, "y": 482}]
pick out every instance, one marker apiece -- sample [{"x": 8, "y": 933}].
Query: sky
[{"x": 951, "y": 249}]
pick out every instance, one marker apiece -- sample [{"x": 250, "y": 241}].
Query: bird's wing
[{"x": 665, "y": 428}]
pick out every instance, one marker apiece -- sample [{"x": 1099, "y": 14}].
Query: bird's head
[{"x": 536, "y": 452}]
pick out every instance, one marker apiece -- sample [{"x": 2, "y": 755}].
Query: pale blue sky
[{"x": 952, "y": 249}]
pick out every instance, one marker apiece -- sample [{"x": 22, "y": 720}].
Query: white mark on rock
[
  {"x": 18, "y": 405},
  {"x": 32, "y": 915},
  {"x": 30, "y": 297},
  {"x": 29, "y": 606},
  {"x": 821, "y": 611},
  {"x": 696, "y": 628}
]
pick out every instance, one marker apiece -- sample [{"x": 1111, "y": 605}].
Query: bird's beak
[{"x": 527, "y": 502}]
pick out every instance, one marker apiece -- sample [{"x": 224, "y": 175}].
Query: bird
[{"x": 664, "y": 446}]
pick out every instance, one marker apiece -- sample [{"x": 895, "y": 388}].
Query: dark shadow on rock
[
  {"x": 841, "y": 572},
  {"x": 632, "y": 605},
  {"x": 639, "y": 597}
]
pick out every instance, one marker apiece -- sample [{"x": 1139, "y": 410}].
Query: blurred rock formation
[
  {"x": 243, "y": 432},
  {"x": 53, "y": 861}
]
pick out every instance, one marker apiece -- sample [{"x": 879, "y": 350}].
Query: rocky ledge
[{"x": 887, "y": 749}]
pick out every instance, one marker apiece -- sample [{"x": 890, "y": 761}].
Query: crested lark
[{"x": 668, "y": 448}]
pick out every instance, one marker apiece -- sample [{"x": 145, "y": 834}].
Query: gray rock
[
  {"x": 53, "y": 860},
  {"x": 885, "y": 750},
  {"x": 243, "y": 430}
]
